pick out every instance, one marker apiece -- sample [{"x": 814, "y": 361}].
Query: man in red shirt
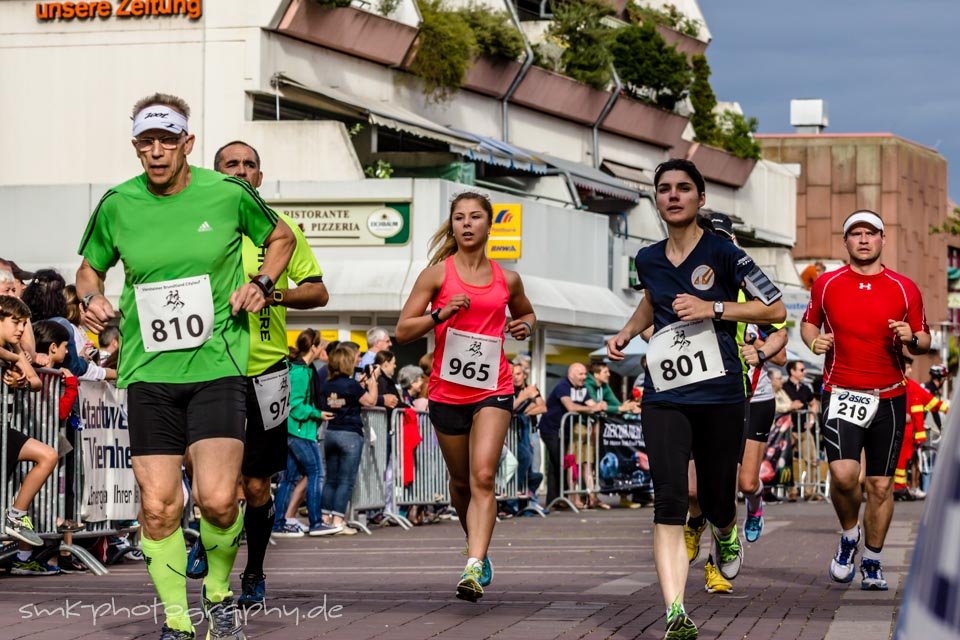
[{"x": 868, "y": 314}]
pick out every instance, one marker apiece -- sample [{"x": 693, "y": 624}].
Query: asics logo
[{"x": 865, "y": 285}]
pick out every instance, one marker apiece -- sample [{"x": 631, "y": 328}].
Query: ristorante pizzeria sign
[{"x": 48, "y": 11}]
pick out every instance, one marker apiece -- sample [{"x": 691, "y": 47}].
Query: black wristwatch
[
  {"x": 761, "y": 356},
  {"x": 436, "y": 316},
  {"x": 914, "y": 342},
  {"x": 265, "y": 284}
]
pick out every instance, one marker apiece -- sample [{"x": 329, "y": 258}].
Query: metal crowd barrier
[
  {"x": 579, "y": 436},
  {"x": 371, "y": 490},
  {"x": 431, "y": 481},
  {"x": 37, "y": 414},
  {"x": 509, "y": 485}
]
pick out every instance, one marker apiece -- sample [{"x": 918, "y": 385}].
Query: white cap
[
  {"x": 159, "y": 116},
  {"x": 864, "y": 216}
]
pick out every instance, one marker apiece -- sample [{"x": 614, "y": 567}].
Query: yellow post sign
[{"x": 506, "y": 234}]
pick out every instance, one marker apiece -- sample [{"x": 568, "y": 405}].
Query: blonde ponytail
[{"x": 442, "y": 244}]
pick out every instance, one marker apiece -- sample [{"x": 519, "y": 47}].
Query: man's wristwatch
[
  {"x": 717, "y": 310},
  {"x": 278, "y": 297},
  {"x": 265, "y": 284},
  {"x": 87, "y": 298},
  {"x": 914, "y": 342}
]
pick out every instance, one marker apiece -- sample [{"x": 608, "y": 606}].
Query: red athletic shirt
[
  {"x": 856, "y": 309},
  {"x": 486, "y": 316}
]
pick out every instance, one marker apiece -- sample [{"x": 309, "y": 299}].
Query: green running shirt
[
  {"x": 268, "y": 329},
  {"x": 196, "y": 232}
]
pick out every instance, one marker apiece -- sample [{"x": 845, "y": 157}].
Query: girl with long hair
[{"x": 471, "y": 388}]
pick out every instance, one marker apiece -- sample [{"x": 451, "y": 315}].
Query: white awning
[
  {"x": 365, "y": 285},
  {"x": 379, "y": 113},
  {"x": 575, "y": 305}
]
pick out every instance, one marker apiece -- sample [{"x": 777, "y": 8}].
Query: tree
[
  {"x": 496, "y": 35},
  {"x": 651, "y": 70},
  {"x": 578, "y": 25},
  {"x": 951, "y": 225},
  {"x": 446, "y": 50},
  {"x": 704, "y": 101},
  {"x": 737, "y": 135}
]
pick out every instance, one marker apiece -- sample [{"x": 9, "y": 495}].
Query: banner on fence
[
  {"x": 110, "y": 491},
  {"x": 623, "y": 462}
]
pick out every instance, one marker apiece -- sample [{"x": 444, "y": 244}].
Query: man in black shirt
[{"x": 803, "y": 399}]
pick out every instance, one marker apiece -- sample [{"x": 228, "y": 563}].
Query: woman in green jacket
[{"x": 304, "y": 457}]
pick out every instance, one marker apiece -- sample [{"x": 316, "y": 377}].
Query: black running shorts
[
  {"x": 880, "y": 441},
  {"x": 166, "y": 418},
  {"x": 759, "y": 420},
  {"x": 15, "y": 441},
  {"x": 265, "y": 452},
  {"x": 457, "y": 419}
]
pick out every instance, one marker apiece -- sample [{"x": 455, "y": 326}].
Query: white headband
[
  {"x": 159, "y": 116},
  {"x": 868, "y": 217}
]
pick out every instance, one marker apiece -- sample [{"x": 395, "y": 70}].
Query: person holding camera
[{"x": 343, "y": 397}]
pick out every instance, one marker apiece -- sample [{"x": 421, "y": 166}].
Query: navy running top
[{"x": 715, "y": 270}]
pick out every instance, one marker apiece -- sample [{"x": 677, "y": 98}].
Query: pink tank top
[{"x": 474, "y": 369}]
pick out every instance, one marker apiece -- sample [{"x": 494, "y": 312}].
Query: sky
[{"x": 881, "y": 65}]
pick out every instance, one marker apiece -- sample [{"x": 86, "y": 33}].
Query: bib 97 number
[
  {"x": 470, "y": 370},
  {"x": 278, "y": 408},
  {"x": 682, "y": 365},
  {"x": 193, "y": 326}
]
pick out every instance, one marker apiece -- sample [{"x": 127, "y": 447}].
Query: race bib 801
[{"x": 684, "y": 353}]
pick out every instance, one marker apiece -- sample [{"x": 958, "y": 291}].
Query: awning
[
  {"x": 502, "y": 154},
  {"x": 635, "y": 178},
  {"x": 378, "y": 113},
  {"x": 593, "y": 179},
  {"x": 365, "y": 285},
  {"x": 575, "y": 305}
]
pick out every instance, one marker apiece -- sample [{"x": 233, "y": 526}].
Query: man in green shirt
[
  {"x": 178, "y": 230},
  {"x": 267, "y": 378}
]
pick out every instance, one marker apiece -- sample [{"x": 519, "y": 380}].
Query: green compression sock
[
  {"x": 221, "y": 546},
  {"x": 166, "y": 562}
]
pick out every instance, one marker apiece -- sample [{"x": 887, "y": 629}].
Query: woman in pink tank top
[{"x": 471, "y": 388}]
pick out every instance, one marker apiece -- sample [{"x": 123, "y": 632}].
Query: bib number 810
[
  {"x": 470, "y": 370},
  {"x": 856, "y": 412},
  {"x": 193, "y": 325},
  {"x": 683, "y": 365}
]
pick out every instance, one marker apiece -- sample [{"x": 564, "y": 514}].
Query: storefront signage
[
  {"x": 48, "y": 11},
  {"x": 334, "y": 224},
  {"x": 506, "y": 234}
]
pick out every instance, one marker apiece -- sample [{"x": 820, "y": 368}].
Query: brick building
[{"x": 906, "y": 183}]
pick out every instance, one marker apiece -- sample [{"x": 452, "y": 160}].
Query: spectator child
[{"x": 14, "y": 316}]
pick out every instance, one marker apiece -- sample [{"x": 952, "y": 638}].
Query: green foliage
[
  {"x": 951, "y": 225},
  {"x": 704, "y": 101},
  {"x": 668, "y": 16},
  {"x": 382, "y": 170},
  {"x": 585, "y": 40},
  {"x": 496, "y": 35},
  {"x": 386, "y": 7},
  {"x": 737, "y": 135},
  {"x": 447, "y": 48},
  {"x": 651, "y": 70},
  {"x": 333, "y": 3}
]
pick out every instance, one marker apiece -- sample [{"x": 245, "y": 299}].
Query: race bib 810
[{"x": 175, "y": 314}]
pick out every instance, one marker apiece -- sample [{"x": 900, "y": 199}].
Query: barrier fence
[{"x": 402, "y": 465}]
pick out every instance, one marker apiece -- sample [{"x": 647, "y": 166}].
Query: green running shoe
[
  {"x": 679, "y": 626},
  {"x": 469, "y": 586},
  {"x": 728, "y": 553}
]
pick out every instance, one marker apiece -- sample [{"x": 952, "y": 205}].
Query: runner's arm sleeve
[
  {"x": 916, "y": 317},
  {"x": 303, "y": 264},
  {"x": 97, "y": 245},
  {"x": 256, "y": 219},
  {"x": 814, "y": 313},
  {"x": 752, "y": 279}
]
